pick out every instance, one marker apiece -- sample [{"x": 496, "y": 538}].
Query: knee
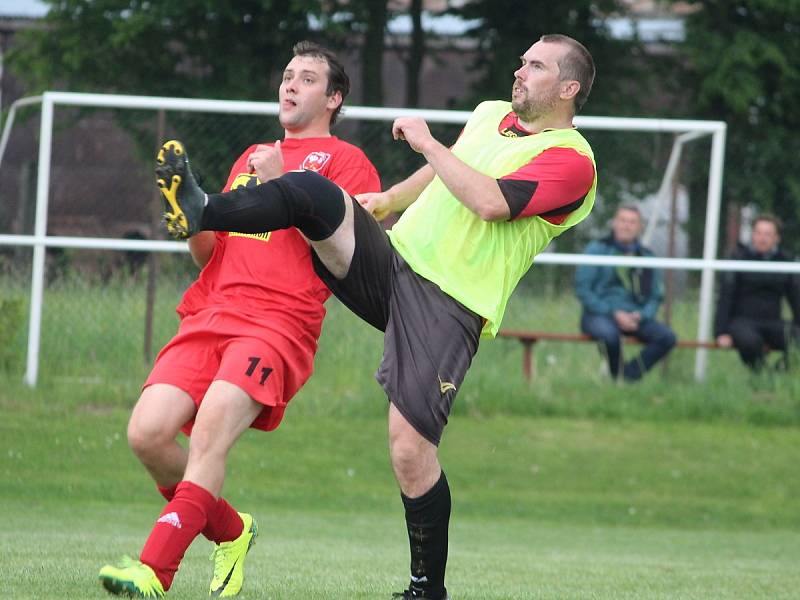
[
  {"x": 306, "y": 179},
  {"x": 201, "y": 442},
  {"x": 413, "y": 466},
  {"x": 749, "y": 346},
  {"x": 746, "y": 338},
  {"x": 146, "y": 441},
  {"x": 318, "y": 203},
  {"x": 405, "y": 457},
  {"x": 599, "y": 327},
  {"x": 607, "y": 335},
  {"x": 668, "y": 339}
]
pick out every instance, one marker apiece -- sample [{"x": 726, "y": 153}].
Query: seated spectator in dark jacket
[
  {"x": 749, "y": 305},
  {"x": 623, "y": 300}
]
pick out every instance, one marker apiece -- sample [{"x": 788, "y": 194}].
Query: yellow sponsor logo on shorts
[
  {"x": 264, "y": 237},
  {"x": 445, "y": 386}
]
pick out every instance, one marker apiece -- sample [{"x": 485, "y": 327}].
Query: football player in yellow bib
[{"x": 475, "y": 217}]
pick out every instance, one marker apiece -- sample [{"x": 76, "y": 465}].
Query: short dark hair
[
  {"x": 769, "y": 218},
  {"x": 630, "y": 208},
  {"x": 338, "y": 81},
  {"x": 577, "y": 64}
]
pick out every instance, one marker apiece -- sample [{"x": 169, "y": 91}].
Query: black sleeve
[{"x": 518, "y": 193}]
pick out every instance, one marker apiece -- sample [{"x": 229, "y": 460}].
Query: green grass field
[
  {"x": 543, "y": 508},
  {"x": 573, "y": 488}
]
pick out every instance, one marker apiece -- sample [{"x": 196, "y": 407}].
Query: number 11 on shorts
[{"x": 265, "y": 371}]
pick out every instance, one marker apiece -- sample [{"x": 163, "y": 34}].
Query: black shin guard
[
  {"x": 302, "y": 199},
  {"x": 428, "y": 522}
]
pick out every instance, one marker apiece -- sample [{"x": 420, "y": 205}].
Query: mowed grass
[
  {"x": 544, "y": 508},
  {"x": 570, "y": 488}
]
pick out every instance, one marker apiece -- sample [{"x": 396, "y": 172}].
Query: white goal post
[{"x": 40, "y": 241}]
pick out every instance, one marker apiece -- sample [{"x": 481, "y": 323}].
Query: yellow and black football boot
[{"x": 183, "y": 198}]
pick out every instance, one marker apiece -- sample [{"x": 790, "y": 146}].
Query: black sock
[
  {"x": 301, "y": 199},
  {"x": 428, "y": 521}
]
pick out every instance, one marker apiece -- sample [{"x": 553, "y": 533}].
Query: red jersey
[
  {"x": 270, "y": 276},
  {"x": 551, "y": 185}
]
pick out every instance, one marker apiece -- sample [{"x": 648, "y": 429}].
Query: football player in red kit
[{"x": 245, "y": 345}]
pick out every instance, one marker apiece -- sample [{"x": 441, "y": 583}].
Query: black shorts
[{"x": 430, "y": 338}]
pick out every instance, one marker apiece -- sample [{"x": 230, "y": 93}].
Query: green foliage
[
  {"x": 629, "y": 82},
  {"x": 196, "y": 48},
  {"x": 745, "y": 66},
  {"x": 502, "y": 40},
  {"x": 12, "y": 320}
]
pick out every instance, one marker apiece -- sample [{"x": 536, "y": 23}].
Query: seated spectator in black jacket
[{"x": 749, "y": 305}]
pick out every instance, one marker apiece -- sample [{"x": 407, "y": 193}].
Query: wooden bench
[{"x": 529, "y": 339}]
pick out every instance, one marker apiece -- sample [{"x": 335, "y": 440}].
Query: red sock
[
  {"x": 181, "y": 520},
  {"x": 224, "y": 523},
  {"x": 167, "y": 492}
]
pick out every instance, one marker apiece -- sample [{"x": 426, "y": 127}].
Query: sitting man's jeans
[{"x": 658, "y": 338}]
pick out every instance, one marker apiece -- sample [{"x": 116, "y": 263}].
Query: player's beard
[{"x": 532, "y": 107}]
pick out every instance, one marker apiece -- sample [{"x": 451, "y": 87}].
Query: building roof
[{"x": 26, "y": 9}]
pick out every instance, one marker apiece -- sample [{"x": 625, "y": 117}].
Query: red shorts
[{"x": 213, "y": 345}]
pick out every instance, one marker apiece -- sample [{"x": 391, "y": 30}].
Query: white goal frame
[{"x": 40, "y": 241}]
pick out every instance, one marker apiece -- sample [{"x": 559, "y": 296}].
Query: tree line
[{"x": 739, "y": 62}]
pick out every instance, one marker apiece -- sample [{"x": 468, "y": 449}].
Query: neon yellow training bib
[{"x": 479, "y": 263}]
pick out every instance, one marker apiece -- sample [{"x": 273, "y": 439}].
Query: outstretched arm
[
  {"x": 478, "y": 192},
  {"x": 398, "y": 197}
]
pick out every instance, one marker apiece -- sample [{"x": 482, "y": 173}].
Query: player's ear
[
  {"x": 569, "y": 89},
  {"x": 335, "y": 100}
]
